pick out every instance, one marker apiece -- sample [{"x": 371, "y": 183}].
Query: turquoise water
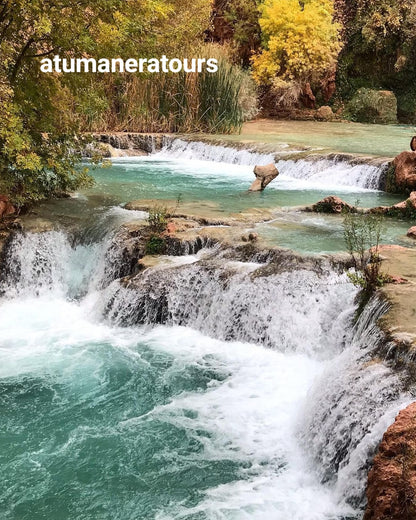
[
  {"x": 135, "y": 424},
  {"x": 312, "y": 233},
  {"x": 163, "y": 422},
  {"x": 222, "y": 185},
  {"x": 342, "y": 136},
  {"x": 219, "y": 190}
]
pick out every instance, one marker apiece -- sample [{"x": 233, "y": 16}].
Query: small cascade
[
  {"x": 350, "y": 407},
  {"x": 332, "y": 171},
  {"x": 35, "y": 263},
  {"x": 226, "y": 300},
  {"x": 180, "y": 149}
]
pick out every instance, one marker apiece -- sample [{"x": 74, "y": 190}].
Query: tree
[
  {"x": 38, "y": 131},
  {"x": 301, "y": 43},
  {"x": 380, "y": 51},
  {"x": 237, "y": 22}
]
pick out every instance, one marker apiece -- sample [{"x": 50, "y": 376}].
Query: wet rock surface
[
  {"x": 404, "y": 178},
  {"x": 406, "y": 208},
  {"x": 411, "y": 233},
  {"x": 331, "y": 204},
  {"x": 391, "y": 490}
]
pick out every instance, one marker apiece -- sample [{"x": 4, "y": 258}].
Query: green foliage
[
  {"x": 362, "y": 234},
  {"x": 219, "y": 99},
  {"x": 158, "y": 218},
  {"x": 373, "y": 106},
  {"x": 173, "y": 102},
  {"x": 380, "y": 51},
  {"x": 243, "y": 18},
  {"x": 156, "y": 245},
  {"x": 390, "y": 184},
  {"x": 41, "y": 115}
]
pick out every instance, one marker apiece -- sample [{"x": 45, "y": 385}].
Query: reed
[{"x": 192, "y": 102}]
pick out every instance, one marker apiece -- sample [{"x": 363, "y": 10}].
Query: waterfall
[
  {"x": 258, "y": 360},
  {"x": 350, "y": 407},
  {"x": 177, "y": 148},
  {"x": 229, "y": 302},
  {"x": 300, "y": 312},
  {"x": 331, "y": 171}
]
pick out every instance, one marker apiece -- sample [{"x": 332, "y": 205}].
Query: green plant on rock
[
  {"x": 156, "y": 245},
  {"x": 158, "y": 218},
  {"x": 362, "y": 234}
]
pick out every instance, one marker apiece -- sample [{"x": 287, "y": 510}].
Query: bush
[
  {"x": 156, "y": 245},
  {"x": 373, "y": 106},
  {"x": 158, "y": 219},
  {"x": 362, "y": 234}
]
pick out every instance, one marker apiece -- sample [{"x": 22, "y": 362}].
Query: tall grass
[{"x": 204, "y": 102}]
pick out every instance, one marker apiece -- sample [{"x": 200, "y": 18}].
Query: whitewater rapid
[{"x": 202, "y": 389}]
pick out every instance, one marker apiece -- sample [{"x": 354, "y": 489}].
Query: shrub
[
  {"x": 373, "y": 106},
  {"x": 362, "y": 234},
  {"x": 158, "y": 219},
  {"x": 156, "y": 245}
]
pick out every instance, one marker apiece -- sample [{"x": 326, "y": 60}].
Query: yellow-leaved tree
[{"x": 301, "y": 43}]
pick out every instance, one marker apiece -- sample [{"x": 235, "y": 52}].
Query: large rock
[
  {"x": 332, "y": 204},
  {"x": 404, "y": 166},
  {"x": 391, "y": 487},
  {"x": 264, "y": 176},
  {"x": 6, "y": 207},
  {"x": 325, "y": 113},
  {"x": 406, "y": 208}
]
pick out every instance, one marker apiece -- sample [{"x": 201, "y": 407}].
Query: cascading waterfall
[
  {"x": 321, "y": 172},
  {"x": 214, "y": 389}
]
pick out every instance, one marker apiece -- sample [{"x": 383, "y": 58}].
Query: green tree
[
  {"x": 38, "y": 131},
  {"x": 380, "y": 51}
]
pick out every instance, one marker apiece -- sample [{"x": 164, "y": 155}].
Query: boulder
[
  {"x": 405, "y": 172},
  {"x": 264, "y": 176},
  {"x": 6, "y": 207},
  {"x": 391, "y": 486},
  {"x": 407, "y": 207},
  {"x": 411, "y": 232},
  {"x": 325, "y": 114},
  {"x": 332, "y": 204}
]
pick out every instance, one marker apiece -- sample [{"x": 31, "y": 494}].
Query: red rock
[
  {"x": 409, "y": 203},
  {"x": 331, "y": 204},
  {"x": 391, "y": 486},
  {"x": 405, "y": 171},
  {"x": 6, "y": 207},
  {"x": 308, "y": 98},
  {"x": 411, "y": 232},
  {"x": 397, "y": 279},
  {"x": 171, "y": 228},
  {"x": 264, "y": 176}
]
